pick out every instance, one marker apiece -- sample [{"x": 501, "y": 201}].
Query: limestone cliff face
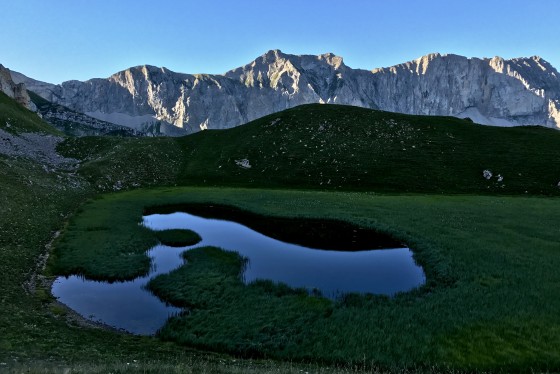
[
  {"x": 17, "y": 92},
  {"x": 523, "y": 91},
  {"x": 497, "y": 91},
  {"x": 277, "y": 81}
]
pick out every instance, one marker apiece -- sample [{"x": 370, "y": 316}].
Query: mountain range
[{"x": 496, "y": 91}]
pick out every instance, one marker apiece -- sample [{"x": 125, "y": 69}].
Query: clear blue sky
[{"x": 80, "y": 39}]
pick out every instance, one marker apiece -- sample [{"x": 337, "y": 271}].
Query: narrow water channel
[{"x": 332, "y": 272}]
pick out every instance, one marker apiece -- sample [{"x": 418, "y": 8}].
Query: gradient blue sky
[{"x": 60, "y": 40}]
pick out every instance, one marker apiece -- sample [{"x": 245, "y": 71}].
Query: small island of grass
[{"x": 178, "y": 237}]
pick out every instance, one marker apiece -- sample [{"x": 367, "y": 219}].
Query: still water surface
[{"x": 128, "y": 306}]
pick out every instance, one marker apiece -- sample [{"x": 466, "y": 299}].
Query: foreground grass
[
  {"x": 37, "y": 337},
  {"x": 194, "y": 365},
  {"x": 490, "y": 300}
]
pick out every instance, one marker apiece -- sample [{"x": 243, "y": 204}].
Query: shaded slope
[
  {"x": 332, "y": 147},
  {"x": 74, "y": 123},
  {"x": 14, "y": 118},
  {"x": 27, "y": 140},
  {"x": 342, "y": 147},
  {"x": 113, "y": 164}
]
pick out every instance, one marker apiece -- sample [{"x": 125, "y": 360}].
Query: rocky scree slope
[
  {"x": 60, "y": 117},
  {"x": 522, "y": 91},
  {"x": 75, "y": 123}
]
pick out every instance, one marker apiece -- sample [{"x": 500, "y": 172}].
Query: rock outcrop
[
  {"x": 18, "y": 92},
  {"x": 522, "y": 91}
]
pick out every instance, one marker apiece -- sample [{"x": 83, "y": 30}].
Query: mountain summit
[{"x": 493, "y": 91}]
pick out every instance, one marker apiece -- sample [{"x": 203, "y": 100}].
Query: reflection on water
[
  {"x": 124, "y": 305},
  {"x": 127, "y": 305},
  {"x": 384, "y": 271}
]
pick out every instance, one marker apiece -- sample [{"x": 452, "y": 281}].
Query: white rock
[
  {"x": 272, "y": 123},
  {"x": 204, "y": 125},
  {"x": 244, "y": 163}
]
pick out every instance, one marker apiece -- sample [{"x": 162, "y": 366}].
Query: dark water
[
  {"x": 124, "y": 305},
  {"x": 333, "y": 272}
]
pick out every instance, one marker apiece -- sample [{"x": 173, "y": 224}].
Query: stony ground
[{"x": 37, "y": 147}]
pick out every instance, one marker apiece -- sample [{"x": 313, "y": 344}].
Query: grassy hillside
[
  {"x": 112, "y": 164},
  {"x": 14, "y": 118},
  {"x": 342, "y": 147},
  {"x": 331, "y": 147}
]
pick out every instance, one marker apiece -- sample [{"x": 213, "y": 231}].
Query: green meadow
[
  {"x": 489, "y": 247},
  {"x": 477, "y": 309}
]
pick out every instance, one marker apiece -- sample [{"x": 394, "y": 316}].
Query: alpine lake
[{"x": 325, "y": 257}]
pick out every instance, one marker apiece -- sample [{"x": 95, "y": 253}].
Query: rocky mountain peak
[
  {"x": 430, "y": 57},
  {"x": 423, "y": 60},
  {"x": 16, "y": 91},
  {"x": 535, "y": 62},
  {"x": 276, "y": 69},
  {"x": 333, "y": 60},
  {"x": 146, "y": 72},
  {"x": 272, "y": 55}
]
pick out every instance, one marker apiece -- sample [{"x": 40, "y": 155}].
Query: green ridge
[
  {"x": 347, "y": 148},
  {"x": 332, "y": 147}
]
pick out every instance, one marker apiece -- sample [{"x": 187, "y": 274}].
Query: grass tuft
[{"x": 178, "y": 237}]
